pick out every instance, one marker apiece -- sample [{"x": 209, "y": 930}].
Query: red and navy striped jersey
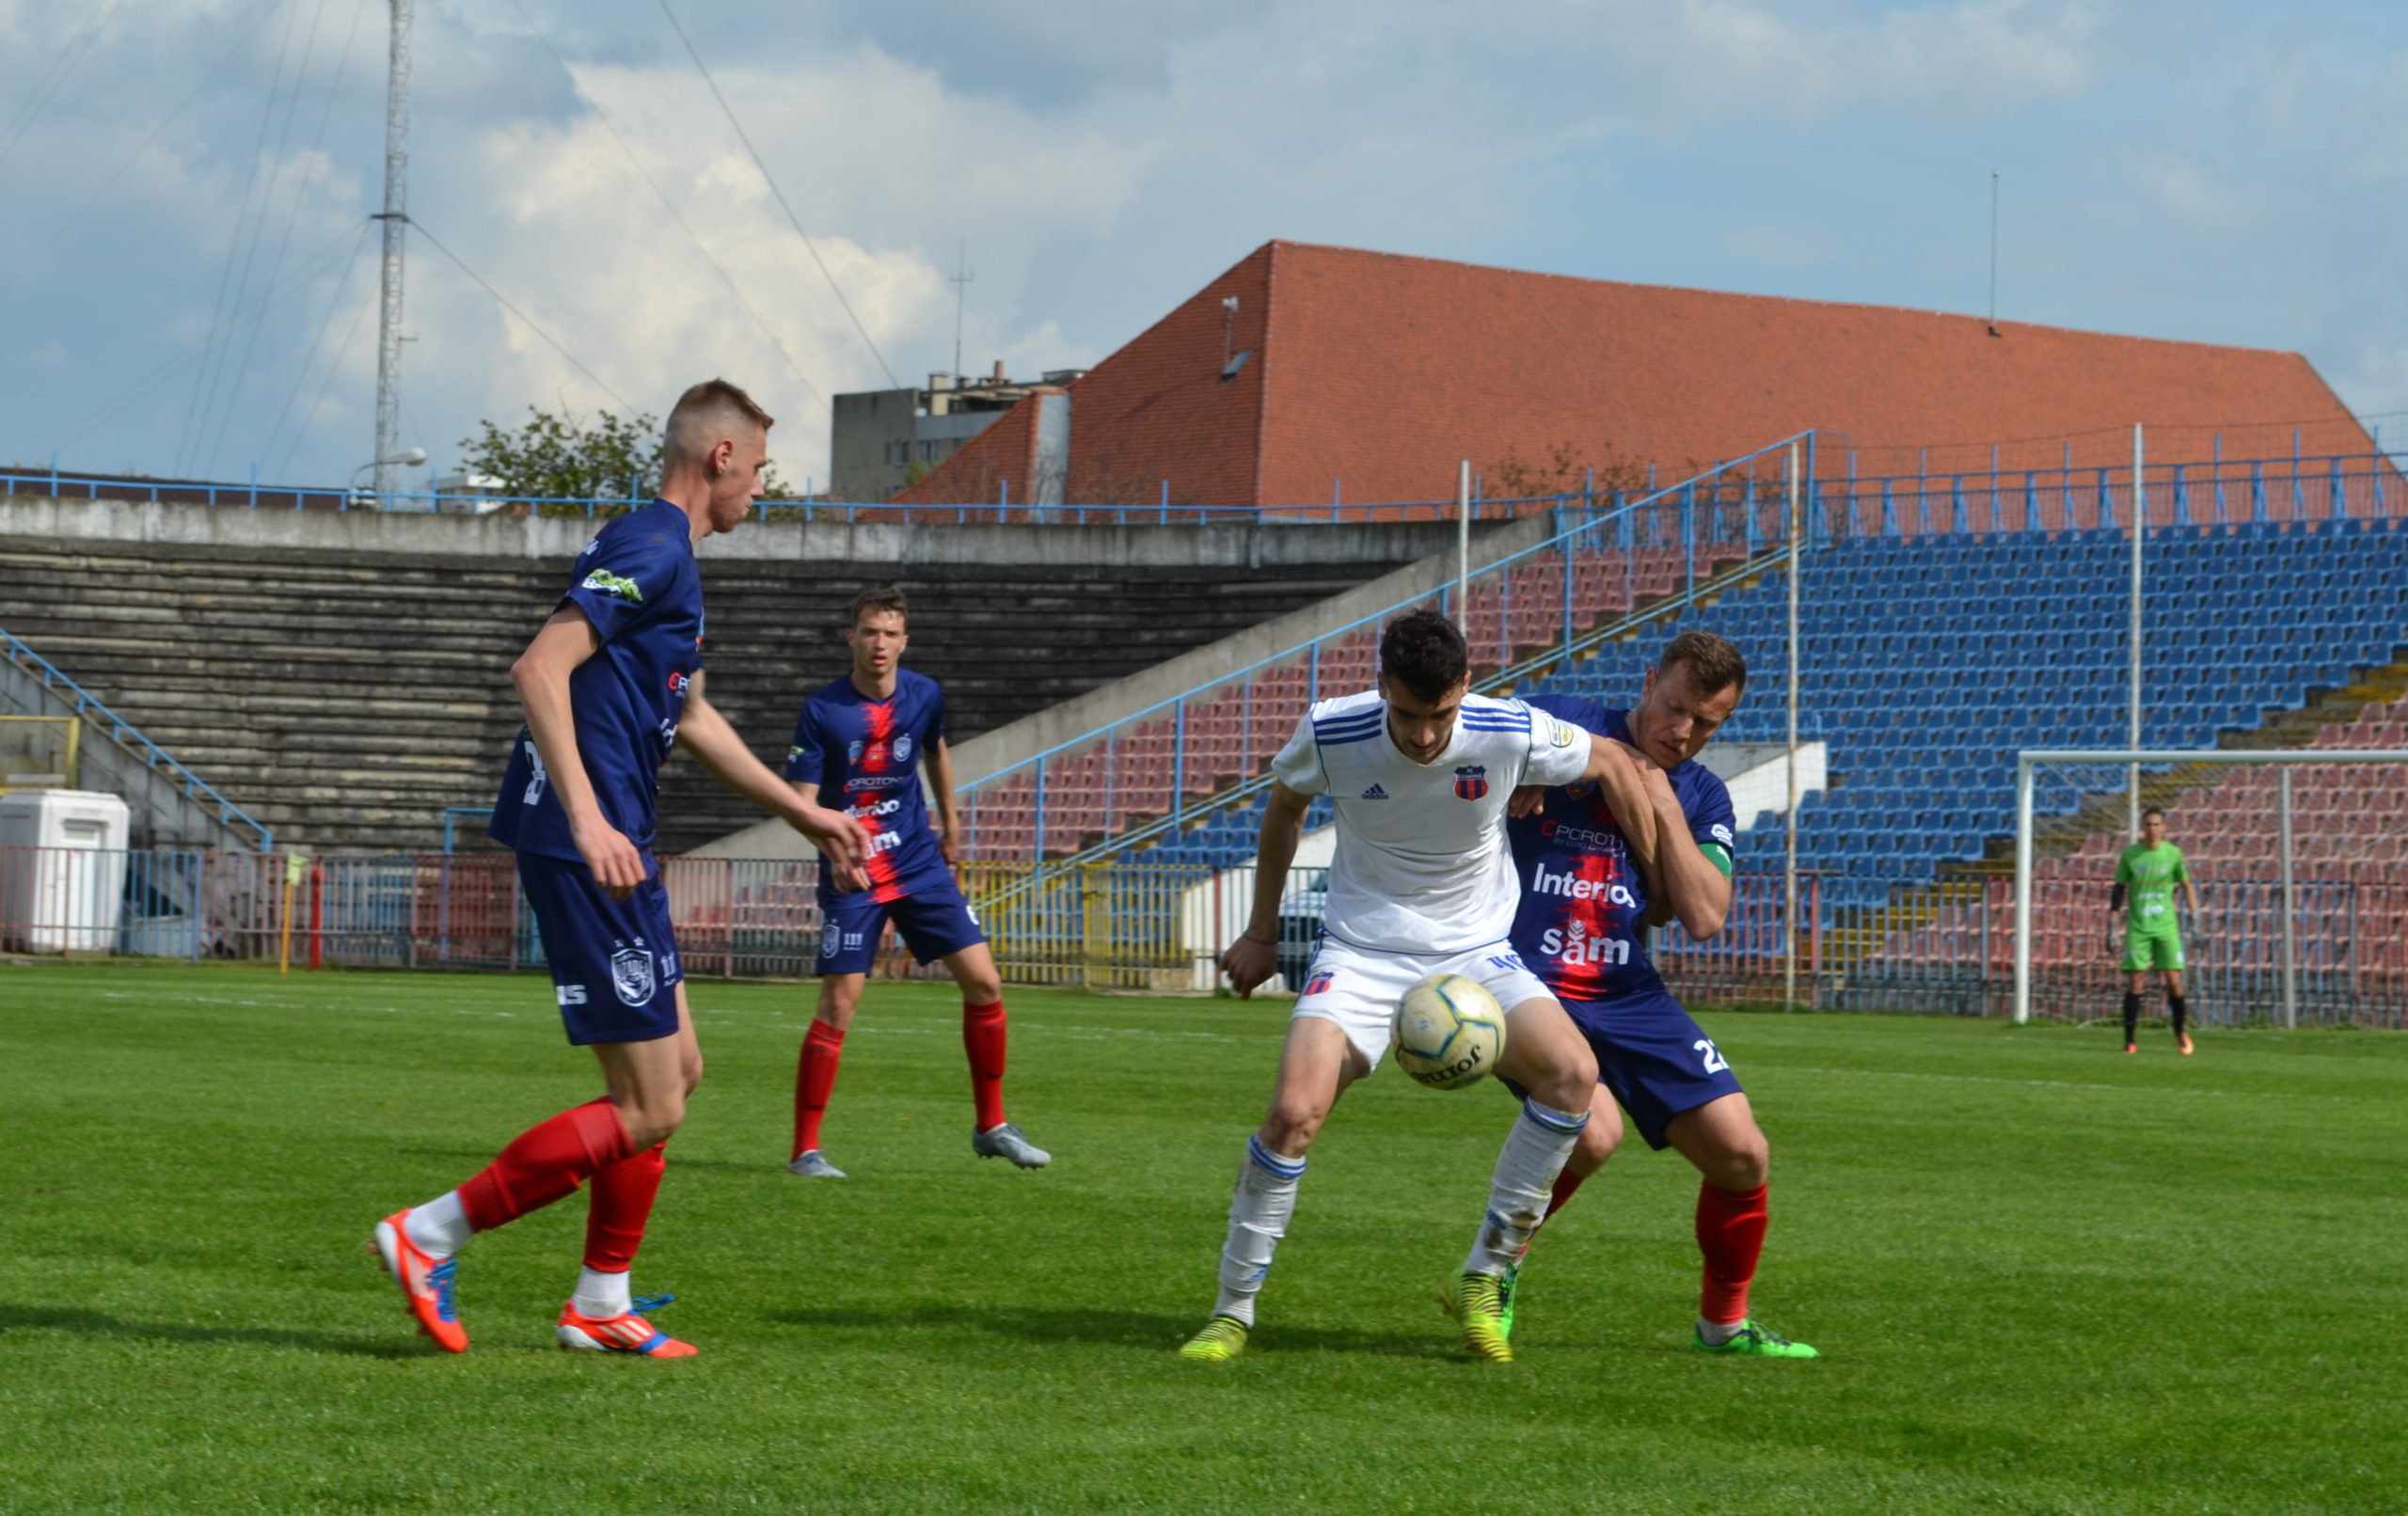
[
  {"x": 1580, "y": 923},
  {"x": 864, "y": 756}
]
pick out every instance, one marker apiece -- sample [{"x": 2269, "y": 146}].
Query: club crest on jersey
[
  {"x": 853, "y": 751},
  {"x": 631, "y": 975},
  {"x": 903, "y": 749},
  {"x": 1471, "y": 781}
]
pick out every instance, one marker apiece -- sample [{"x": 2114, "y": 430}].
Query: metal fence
[
  {"x": 2215, "y": 492},
  {"x": 1944, "y": 948}
]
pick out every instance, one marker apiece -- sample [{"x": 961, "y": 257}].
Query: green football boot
[
  {"x": 1506, "y": 1285},
  {"x": 1479, "y": 1306},
  {"x": 1222, "y": 1339},
  {"x": 1754, "y": 1341}
]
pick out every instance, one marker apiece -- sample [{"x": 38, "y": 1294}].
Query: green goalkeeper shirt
[{"x": 2148, "y": 876}]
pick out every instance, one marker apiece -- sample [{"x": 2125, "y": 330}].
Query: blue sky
[{"x": 187, "y": 272}]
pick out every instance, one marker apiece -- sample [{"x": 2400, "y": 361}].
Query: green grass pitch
[{"x": 2046, "y": 1277}]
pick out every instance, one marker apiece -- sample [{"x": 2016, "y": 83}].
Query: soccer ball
[{"x": 1448, "y": 1032}]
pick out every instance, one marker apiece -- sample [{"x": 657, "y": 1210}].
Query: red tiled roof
[{"x": 1382, "y": 370}]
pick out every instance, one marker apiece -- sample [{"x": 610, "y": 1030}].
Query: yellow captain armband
[{"x": 1717, "y": 855}]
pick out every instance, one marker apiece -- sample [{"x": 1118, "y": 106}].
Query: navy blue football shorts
[
  {"x": 933, "y": 917},
  {"x": 1657, "y": 1060},
  {"x": 614, "y": 962}
]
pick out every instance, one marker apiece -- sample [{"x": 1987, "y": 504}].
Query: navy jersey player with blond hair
[
  {"x": 610, "y": 683},
  {"x": 858, "y": 746},
  {"x": 1593, "y": 882}
]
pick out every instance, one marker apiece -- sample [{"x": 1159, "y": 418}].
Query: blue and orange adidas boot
[
  {"x": 627, "y": 1332},
  {"x": 425, "y": 1285}
]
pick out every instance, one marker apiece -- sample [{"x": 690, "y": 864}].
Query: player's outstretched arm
[
  {"x": 541, "y": 677},
  {"x": 1255, "y": 957},
  {"x": 705, "y": 732},
  {"x": 1686, "y": 880}
]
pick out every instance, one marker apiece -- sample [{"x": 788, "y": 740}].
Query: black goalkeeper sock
[
  {"x": 2132, "y": 1018},
  {"x": 2179, "y": 1012}
]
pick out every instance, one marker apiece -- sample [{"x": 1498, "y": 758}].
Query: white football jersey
[{"x": 1422, "y": 864}]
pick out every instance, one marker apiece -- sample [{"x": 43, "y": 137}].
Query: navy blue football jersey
[
  {"x": 1580, "y": 923},
  {"x": 864, "y": 756},
  {"x": 638, "y": 583}
]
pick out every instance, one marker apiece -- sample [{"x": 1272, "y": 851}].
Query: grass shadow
[
  {"x": 1119, "y": 1328},
  {"x": 100, "y": 1324}
]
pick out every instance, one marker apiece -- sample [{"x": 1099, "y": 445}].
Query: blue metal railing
[
  {"x": 90, "y": 707},
  {"x": 1724, "y": 508},
  {"x": 253, "y": 494},
  {"x": 2221, "y": 491}
]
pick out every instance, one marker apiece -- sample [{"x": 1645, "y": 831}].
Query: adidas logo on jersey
[{"x": 1375, "y": 792}]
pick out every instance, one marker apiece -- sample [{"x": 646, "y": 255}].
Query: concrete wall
[{"x": 531, "y": 537}]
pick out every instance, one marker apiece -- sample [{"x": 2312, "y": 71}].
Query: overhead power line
[
  {"x": 603, "y": 117},
  {"x": 792, "y": 219},
  {"x": 58, "y": 233},
  {"x": 318, "y": 262},
  {"x": 503, "y": 300},
  {"x": 52, "y": 78}
]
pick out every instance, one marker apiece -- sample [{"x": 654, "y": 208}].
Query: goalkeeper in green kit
[{"x": 2145, "y": 879}]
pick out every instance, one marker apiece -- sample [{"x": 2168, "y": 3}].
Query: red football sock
[
  {"x": 1731, "y": 1234},
  {"x": 815, "y": 1080},
  {"x": 1567, "y": 1184},
  {"x": 544, "y": 1162},
  {"x": 621, "y": 1203},
  {"x": 982, "y": 1038}
]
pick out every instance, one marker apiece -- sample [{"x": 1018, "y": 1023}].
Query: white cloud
[{"x": 1105, "y": 159}]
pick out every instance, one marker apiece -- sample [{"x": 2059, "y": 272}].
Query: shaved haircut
[{"x": 710, "y": 413}]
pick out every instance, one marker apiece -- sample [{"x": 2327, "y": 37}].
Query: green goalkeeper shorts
[{"x": 2157, "y": 948}]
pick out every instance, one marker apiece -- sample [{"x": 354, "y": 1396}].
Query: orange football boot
[
  {"x": 627, "y": 1332},
  {"x": 426, "y": 1285}
]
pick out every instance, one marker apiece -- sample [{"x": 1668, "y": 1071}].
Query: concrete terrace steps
[{"x": 348, "y": 694}]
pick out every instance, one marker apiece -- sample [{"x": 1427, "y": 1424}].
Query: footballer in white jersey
[
  {"x": 1421, "y": 773},
  {"x": 1422, "y": 866}
]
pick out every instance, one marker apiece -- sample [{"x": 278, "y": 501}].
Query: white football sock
[
  {"x": 441, "y": 1227},
  {"x": 600, "y": 1295},
  {"x": 1258, "y": 1214},
  {"x": 1714, "y": 1334},
  {"x": 1533, "y": 1155}
]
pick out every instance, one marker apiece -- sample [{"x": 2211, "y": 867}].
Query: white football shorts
[{"x": 1356, "y": 989}]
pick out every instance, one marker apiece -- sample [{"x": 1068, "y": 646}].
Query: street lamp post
[{"x": 413, "y": 458}]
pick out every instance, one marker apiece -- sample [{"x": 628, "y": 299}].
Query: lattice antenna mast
[
  {"x": 396, "y": 218},
  {"x": 961, "y": 282}
]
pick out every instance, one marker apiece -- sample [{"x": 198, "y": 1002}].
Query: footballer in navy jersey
[
  {"x": 1581, "y": 925},
  {"x": 637, "y": 585},
  {"x": 611, "y": 682},
  {"x": 858, "y": 746},
  {"x": 864, "y": 755},
  {"x": 1593, "y": 882}
]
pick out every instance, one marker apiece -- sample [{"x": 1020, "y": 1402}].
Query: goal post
[{"x": 2028, "y": 765}]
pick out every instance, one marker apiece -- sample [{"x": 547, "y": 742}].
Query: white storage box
[{"x": 62, "y": 870}]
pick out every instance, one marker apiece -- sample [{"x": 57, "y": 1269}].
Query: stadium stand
[
  {"x": 1927, "y": 661},
  {"x": 1148, "y": 767},
  {"x": 347, "y": 698}
]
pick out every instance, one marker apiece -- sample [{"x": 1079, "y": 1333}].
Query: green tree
[{"x": 555, "y": 458}]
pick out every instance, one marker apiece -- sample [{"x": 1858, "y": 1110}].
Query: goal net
[{"x": 2298, "y": 857}]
